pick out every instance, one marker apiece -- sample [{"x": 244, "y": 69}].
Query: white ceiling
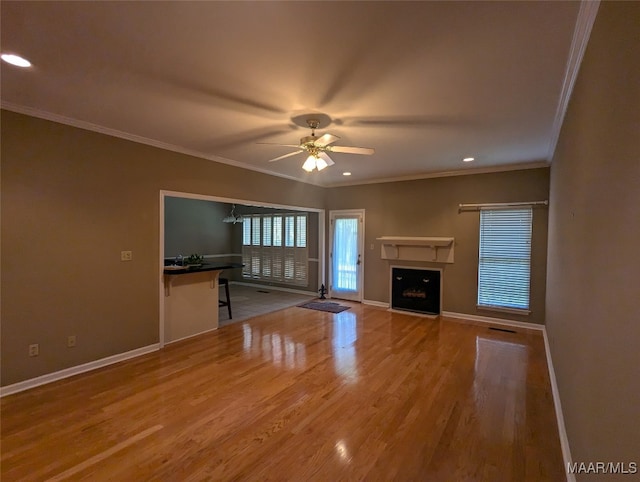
[{"x": 424, "y": 83}]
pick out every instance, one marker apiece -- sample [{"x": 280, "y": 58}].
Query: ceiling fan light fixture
[
  {"x": 321, "y": 164},
  {"x": 318, "y": 148},
  {"x": 233, "y": 218},
  {"x": 310, "y": 164}
]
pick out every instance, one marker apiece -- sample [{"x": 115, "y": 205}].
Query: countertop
[{"x": 173, "y": 270}]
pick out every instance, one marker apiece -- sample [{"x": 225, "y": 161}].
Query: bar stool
[{"x": 225, "y": 282}]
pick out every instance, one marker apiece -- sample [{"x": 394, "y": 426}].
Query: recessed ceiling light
[
  {"x": 15, "y": 60},
  {"x": 468, "y": 159},
  {"x": 346, "y": 173}
]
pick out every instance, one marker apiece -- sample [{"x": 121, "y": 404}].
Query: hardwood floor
[{"x": 300, "y": 395}]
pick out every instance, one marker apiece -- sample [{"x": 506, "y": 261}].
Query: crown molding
[
  {"x": 584, "y": 24},
  {"x": 436, "y": 174},
  {"x": 41, "y": 114},
  {"x": 30, "y": 111}
]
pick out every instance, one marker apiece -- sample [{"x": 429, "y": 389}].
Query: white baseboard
[
  {"x": 495, "y": 321},
  {"x": 381, "y": 304},
  {"x": 273, "y": 288},
  {"x": 191, "y": 336},
  {"x": 69, "y": 372},
  {"x": 562, "y": 431}
]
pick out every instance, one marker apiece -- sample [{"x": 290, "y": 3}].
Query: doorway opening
[
  {"x": 278, "y": 293},
  {"x": 346, "y": 258}
]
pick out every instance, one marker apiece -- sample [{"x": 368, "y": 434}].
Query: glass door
[{"x": 347, "y": 243}]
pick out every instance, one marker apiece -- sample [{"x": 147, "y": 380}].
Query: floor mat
[{"x": 324, "y": 306}]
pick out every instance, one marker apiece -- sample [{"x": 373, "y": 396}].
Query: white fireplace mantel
[{"x": 417, "y": 248}]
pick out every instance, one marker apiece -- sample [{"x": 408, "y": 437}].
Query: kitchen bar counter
[
  {"x": 203, "y": 267},
  {"x": 191, "y": 299}
]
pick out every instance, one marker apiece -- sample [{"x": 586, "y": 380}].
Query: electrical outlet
[
  {"x": 126, "y": 255},
  {"x": 71, "y": 341},
  {"x": 34, "y": 350}
]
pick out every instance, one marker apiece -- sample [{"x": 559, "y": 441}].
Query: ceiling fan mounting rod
[{"x": 313, "y": 125}]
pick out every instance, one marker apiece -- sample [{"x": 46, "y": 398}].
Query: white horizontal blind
[
  {"x": 275, "y": 248},
  {"x": 504, "y": 269}
]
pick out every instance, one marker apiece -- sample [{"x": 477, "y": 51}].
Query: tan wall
[
  {"x": 429, "y": 207},
  {"x": 593, "y": 315},
  {"x": 71, "y": 201}
]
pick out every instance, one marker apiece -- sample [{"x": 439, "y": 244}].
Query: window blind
[{"x": 504, "y": 268}]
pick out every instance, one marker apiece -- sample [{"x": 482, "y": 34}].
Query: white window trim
[{"x": 502, "y": 309}]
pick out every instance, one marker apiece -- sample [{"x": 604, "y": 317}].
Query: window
[
  {"x": 266, "y": 231},
  {"x": 289, "y": 236},
  {"x": 274, "y": 248},
  {"x": 504, "y": 266}
]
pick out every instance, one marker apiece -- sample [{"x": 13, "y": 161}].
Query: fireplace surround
[{"x": 417, "y": 290}]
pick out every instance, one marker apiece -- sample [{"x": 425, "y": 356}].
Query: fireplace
[{"x": 416, "y": 289}]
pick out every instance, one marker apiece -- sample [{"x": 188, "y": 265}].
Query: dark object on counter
[
  {"x": 194, "y": 260},
  {"x": 225, "y": 282}
]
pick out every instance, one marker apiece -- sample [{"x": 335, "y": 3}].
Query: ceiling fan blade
[
  {"x": 326, "y": 157},
  {"x": 351, "y": 150},
  {"x": 325, "y": 140},
  {"x": 286, "y": 155},
  {"x": 241, "y": 139},
  {"x": 297, "y": 146}
]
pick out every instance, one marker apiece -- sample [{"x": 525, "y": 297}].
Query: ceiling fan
[{"x": 317, "y": 148}]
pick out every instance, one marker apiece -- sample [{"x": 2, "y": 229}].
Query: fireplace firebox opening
[{"x": 416, "y": 289}]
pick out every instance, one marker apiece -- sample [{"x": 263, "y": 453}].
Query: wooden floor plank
[{"x": 300, "y": 395}]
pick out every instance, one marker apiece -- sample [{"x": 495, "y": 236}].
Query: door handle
[{"x": 358, "y": 262}]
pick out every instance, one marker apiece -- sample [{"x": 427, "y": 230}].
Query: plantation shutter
[
  {"x": 301, "y": 258},
  {"x": 301, "y": 231},
  {"x": 275, "y": 248},
  {"x": 277, "y": 258},
  {"x": 289, "y": 251},
  {"x": 504, "y": 269},
  {"x": 246, "y": 248},
  {"x": 267, "y": 254}
]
